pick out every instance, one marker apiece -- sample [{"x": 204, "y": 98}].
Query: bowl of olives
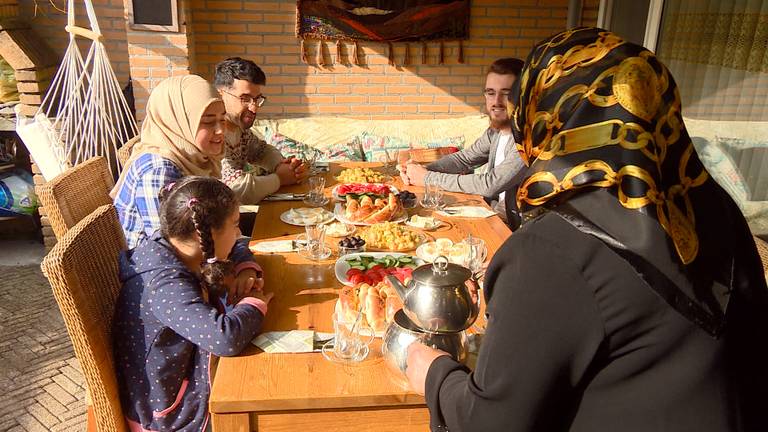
[
  {"x": 351, "y": 244},
  {"x": 407, "y": 199}
]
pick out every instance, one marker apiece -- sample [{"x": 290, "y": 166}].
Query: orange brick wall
[
  {"x": 49, "y": 24},
  {"x": 264, "y": 32}
]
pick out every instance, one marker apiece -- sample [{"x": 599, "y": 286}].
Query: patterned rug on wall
[{"x": 409, "y": 21}]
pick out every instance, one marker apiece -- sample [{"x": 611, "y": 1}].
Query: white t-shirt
[{"x": 501, "y": 150}]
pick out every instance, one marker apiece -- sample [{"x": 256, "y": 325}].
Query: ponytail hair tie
[
  {"x": 169, "y": 186},
  {"x": 192, "y": 202},
  {"x": 212, "y": 260}
]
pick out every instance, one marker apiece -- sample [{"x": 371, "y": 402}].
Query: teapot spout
[{"x": 402, "y": 291}]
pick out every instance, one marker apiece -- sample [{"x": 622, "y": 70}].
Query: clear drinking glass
[
  {"x": 352, "y": 335},
  {"x": 309, "y": 156},
  {"x": 316, "y": 187},
  {"x": 477, "y": 252},
  {"x": 433, "y": 195},
  {"x": 316, "y": 241},
  {"x": 391, "y": 158}
]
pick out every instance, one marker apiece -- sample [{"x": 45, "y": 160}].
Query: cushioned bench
[{"x": 340, "y": 139}]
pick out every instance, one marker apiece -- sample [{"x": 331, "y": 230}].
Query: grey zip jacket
[{"x": 454, "y": 172}]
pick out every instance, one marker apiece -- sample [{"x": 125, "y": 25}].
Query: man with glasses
[
  {"x": 496, "y": 148},
  {"x": 251, "y": 167}
]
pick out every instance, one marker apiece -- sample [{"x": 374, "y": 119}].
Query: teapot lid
[{"x": 441, "y": 273}]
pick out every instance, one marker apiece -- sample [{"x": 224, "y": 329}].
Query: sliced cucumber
[{"x": 359, "y": 267}]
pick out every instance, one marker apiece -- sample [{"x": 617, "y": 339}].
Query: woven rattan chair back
[
  {"x": 75, "y": 193},
  {"x": 83, "y": 272},
  {"x": 125, "y": 151}
]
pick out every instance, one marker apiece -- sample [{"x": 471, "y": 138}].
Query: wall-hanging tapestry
[{"x": 387, "y": 21}]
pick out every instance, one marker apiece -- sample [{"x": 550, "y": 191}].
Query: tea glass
[
  {"x": 352, "y": 336},
  {"x": 309, "y": 157},
  {"x": 391, "y": 159},
  {"x": 316, "y": 248},
  {"x": 316, "y": 196},
  {"x": 433, "y": 195},
  {"x": 477, "y": 252}
]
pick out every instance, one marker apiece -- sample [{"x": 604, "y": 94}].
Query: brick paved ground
[{"x": 41, "y": 385}]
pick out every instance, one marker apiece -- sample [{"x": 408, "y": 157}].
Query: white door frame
[{"x": 652, "y": 25}]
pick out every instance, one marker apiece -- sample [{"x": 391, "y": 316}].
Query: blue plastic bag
[{"x": 17, "y": 194}]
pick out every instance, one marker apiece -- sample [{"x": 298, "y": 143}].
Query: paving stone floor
[{"x": 41, "y": 384}]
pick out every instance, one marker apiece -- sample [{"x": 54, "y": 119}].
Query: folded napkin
[
  {"x": 466, "y": 211},
  {"x": 293, "y": 341},
  {"x": 274, "y": 246},
  {"x": 249, "y": 209}
]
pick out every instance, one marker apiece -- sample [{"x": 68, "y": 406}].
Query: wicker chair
[
  {"x": 83, "y": 271},
  {"x": 75, "y": 193},
  {"x": 125, "y": 151}
]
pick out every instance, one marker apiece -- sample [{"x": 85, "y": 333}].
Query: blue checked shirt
[{"x": 137, "y": 201}]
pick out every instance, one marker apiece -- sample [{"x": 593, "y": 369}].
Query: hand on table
[
  {"x": 245, "y": 282},
  {"x": 403, "y": 169},
  {"x": 286, "y": 171},
  {"x": 416, "y": 173},
  {"x": 301, "y": 172},
  {"x": 420, "y": 358}
]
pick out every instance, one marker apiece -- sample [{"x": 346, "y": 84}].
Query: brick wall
[
  {"x": 49, "y": 24},
  {"x": 264, "y": 32}
]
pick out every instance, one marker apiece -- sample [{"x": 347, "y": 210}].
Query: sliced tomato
[
  {"x": 353, "y": 271},
  {"x": 356, "y": 279}
]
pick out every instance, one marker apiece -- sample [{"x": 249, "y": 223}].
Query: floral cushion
[
  {"x": 375, "y": 147},
  {"x": 288, "y": 147}
]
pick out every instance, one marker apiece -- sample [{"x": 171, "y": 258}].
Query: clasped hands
[
  {"x": 291, "y": 171},
  {"x": 247, "y": 283},
  {"x": 411, "y": 173}
]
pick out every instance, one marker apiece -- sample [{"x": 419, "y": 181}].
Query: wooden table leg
[{"x": 238, "y": 422}]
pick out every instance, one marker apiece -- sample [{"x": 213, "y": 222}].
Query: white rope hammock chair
[{"x": 84, "y": 113}]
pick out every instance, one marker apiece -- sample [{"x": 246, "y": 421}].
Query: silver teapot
[
  {"x": 401, "y": 333},
  {"x": 441, "y": 297}
]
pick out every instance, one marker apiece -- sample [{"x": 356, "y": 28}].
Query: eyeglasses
[
  {"x": 248, "y": 100},
  {"x": 491, "y": 93}
]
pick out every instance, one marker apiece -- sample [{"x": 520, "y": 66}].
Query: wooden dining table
[{"x": 265, "y": 392}]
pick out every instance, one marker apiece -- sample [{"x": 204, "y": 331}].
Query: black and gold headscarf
[{"x": 598, "y": 122}]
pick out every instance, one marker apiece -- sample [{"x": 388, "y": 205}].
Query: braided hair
[{"x": 193, "y": 206}]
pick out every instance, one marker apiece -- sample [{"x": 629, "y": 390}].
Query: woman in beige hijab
[{"x": 182, "y": 134}]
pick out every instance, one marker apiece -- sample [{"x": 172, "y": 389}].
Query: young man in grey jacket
[{"x": 496, "y": 147}]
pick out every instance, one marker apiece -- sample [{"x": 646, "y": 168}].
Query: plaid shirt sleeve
[
  {"x": 138, "y": 202},
  {"x": 147, "y": 192}
]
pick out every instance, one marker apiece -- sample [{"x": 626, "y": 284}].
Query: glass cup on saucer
[
  {"x": 315, "y": 196},
  {"x": 315, "y": 248},
  {"x": 352, "y": 336}
]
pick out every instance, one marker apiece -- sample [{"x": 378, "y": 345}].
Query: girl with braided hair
[{"x": 170, "y": 319}]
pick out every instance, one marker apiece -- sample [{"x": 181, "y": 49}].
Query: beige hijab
[{"x": 174, "y": 110}]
